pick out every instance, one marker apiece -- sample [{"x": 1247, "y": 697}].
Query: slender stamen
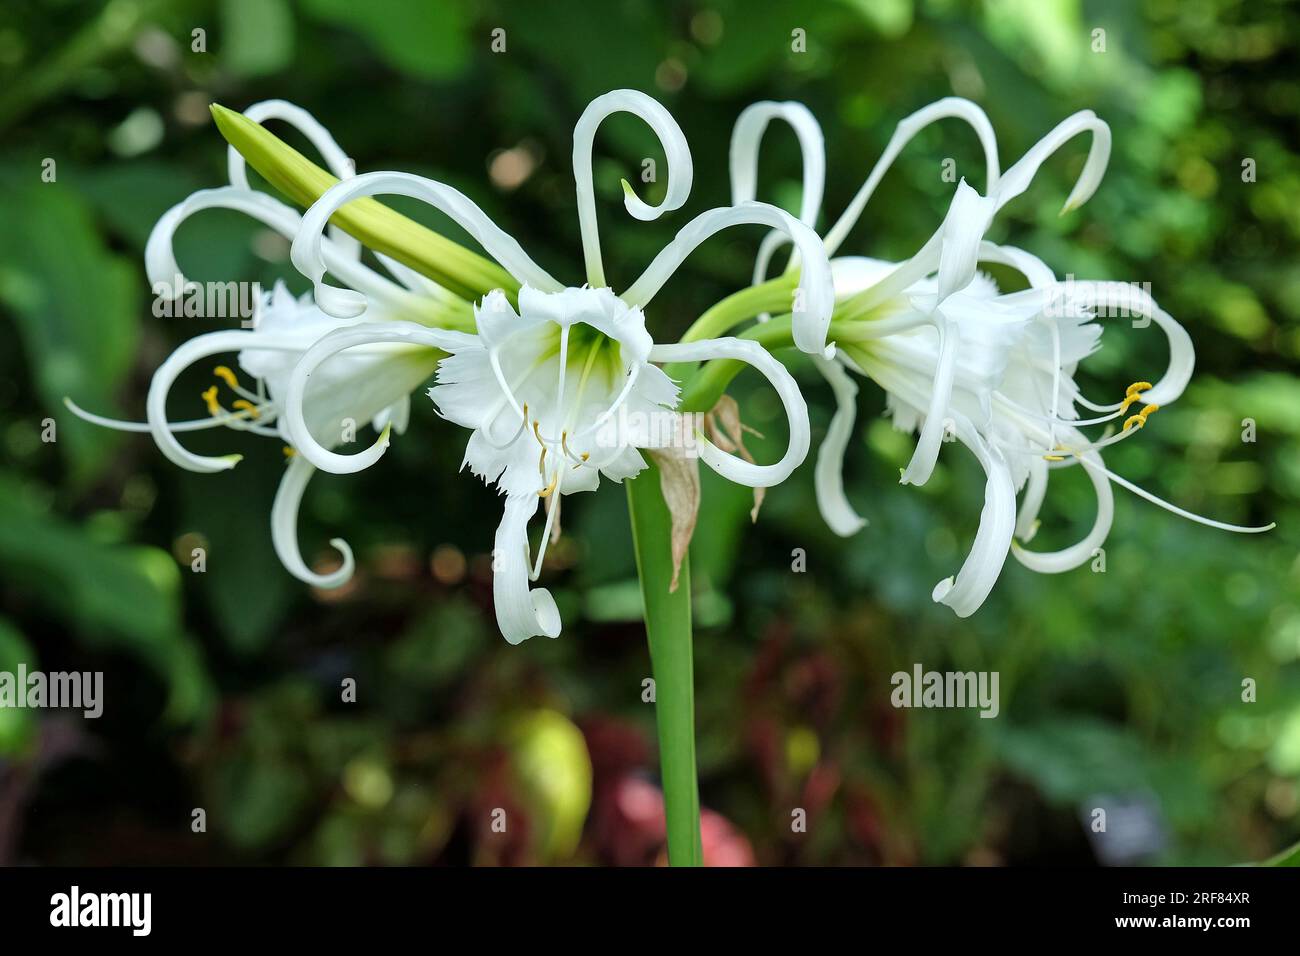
[
  {"x": 552, "y": 510},
  {"x": 1190, "y": 516},
  {"x": 231, "y": 419}
]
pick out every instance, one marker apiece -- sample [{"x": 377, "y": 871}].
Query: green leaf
[
  {"x": 257, "y": 36},
  {"x": 1288, "y": 857},
  {"x": 16, "y": 726},
  {"x": 75, "y": 303},
  {"x": 428, "y": 40},
  {"x": 118, "y": 597},
  {"x": 244, "y": 583}
]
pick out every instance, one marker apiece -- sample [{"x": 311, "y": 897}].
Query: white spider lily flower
[
  {"x": 563, "y": 388},
  {"x": 959, "y": 360},
  {"x": 371, "y": 386}
]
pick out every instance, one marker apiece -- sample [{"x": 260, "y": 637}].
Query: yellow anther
[
  {"x": 1053, "y": 458},
  {"x": 550, "y": 489},
  {"x": 226, "y": 375},
  {"x": 1140, "y": 418},
  {"x": 1132, "y": 395},
  {"x": 214, "y": 406},
  {"x": 245, "y": 405},
  {"x": 288, "y": 452}
]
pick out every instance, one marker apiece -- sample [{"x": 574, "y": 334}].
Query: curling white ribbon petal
[
  {"x": 160, "y": 255},
  {"x": 331, "y": 344},
  {"x": 926, "y": 455},
  {"x": 963, "y": 230},
  {"x": 284, "y": 529},
  {"x": 346, "y": 303},
  {"x": 729, "y": 466},
  {"x": 953, "y": 251},
  {"x": 521, "y": 613},
  {"x": 1035, "y": 491},
  {"x": 814, "y": 297},
  {"x": 297, "y": 117},
  {"x": 188, "y": 353},
  {"x": 1135, "y": 301},
  {"x": 746, "y": 137},
  {"x": 676, "y": 152},
  {"x": 1017, "y": 179},
  {"x": 828, "y": 475},
  {"x": 980, "y": 571},
  {"x": 1056, "y": 562},
  {"x": 972, "y": 213},
  {"x": 951, "y": 106},
  {"x": 1035, "y": 270}
]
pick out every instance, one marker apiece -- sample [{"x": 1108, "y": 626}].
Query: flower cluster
[
  {"x": 960, "y": 360},
  {"x": 560, "y": 385}
]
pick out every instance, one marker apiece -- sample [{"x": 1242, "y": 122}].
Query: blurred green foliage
[{"x": 223, "y": 687}]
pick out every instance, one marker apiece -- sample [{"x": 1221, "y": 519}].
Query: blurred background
[{"x": 1120, "y": 689}]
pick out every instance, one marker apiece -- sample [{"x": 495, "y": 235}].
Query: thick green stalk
[
  {"x": 668, "y": 630},
  {"x": 375, "y": 225},
  {"x": 770, "y": 296}
]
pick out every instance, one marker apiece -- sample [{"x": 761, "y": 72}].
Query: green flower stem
[
  {"x": 668, "y": 630},
  {"x": 771, "y": 296},
  {"x": 705, "y": 384},
  {"x": 375, "y": 225}
]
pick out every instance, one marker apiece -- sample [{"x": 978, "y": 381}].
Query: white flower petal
[
  {"x": 398, "y": 415},
  {"x": 923, "y": 460},
  {"x": 293, "y": 412},
  {"x": 676, "y": 152},
  {"x": 1035, "y": 491},
  {"x": 345, "y": 303},
  {"x": 1017, "y": 179},
  {"x": 1066, "y": 559},
  {"x": 213, "y": 343},
  {"x": 729, "y": 466},
  {"x": 948, "y": 107},
  {"x": 1036, "y": 272},
  {"x": 160, "y": 255},
  {"x": 521, "y": 613},
  {"x": 747, "y": 136},
  {"x": 815, "y": 296},
  {"x": 1137, "y": 302},
  {"x": 828, "y": 476},
  {"x": 980, "y": 571},
  {"x": 963, "y": 230},
  {"x": 284, "y": 529}
]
